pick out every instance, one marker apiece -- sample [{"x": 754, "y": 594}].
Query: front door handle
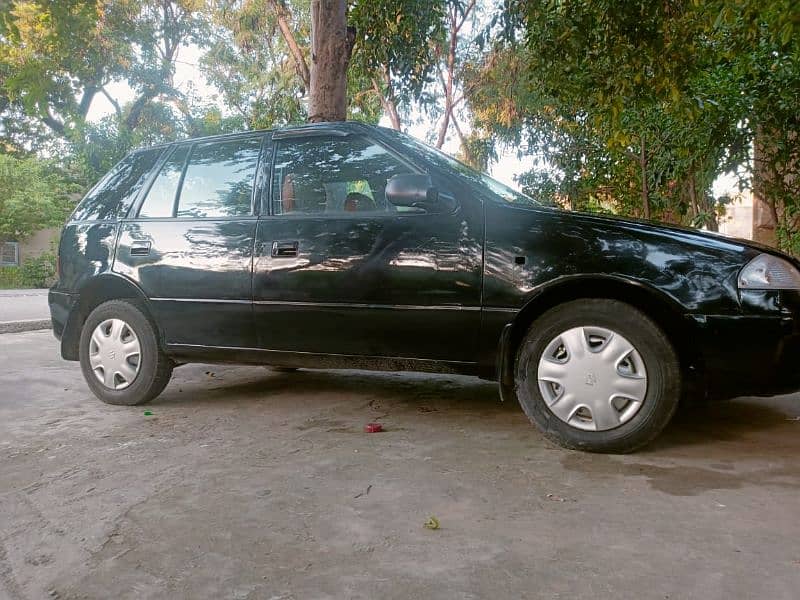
[
  {"x": 284, "y": 249},
  {"x": 140, "y": 248}
]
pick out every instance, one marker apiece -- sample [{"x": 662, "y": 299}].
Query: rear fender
[{"x": 94, "y": 292}]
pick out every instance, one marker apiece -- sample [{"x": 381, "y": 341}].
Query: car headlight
[{"x": 767, "y": 272}]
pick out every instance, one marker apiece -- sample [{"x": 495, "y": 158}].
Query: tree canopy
[
  {"x": 32, "y": 195},
  {"x": 634, "y": 108},
  {"x": 638, "y": 107}
]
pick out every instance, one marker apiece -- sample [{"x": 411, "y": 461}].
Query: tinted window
[
  {"x": 114, "y": 193},
  {"x": 219, "y": 179},
  {"x": 440, "y": 159},
  {"x": 332, "y": 175},
  {"x": 160, "y": 200}
]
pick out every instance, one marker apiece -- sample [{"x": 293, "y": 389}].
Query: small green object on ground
[
  {"x": 147, "y": 413},
  {"x": 431, "y": 523}
]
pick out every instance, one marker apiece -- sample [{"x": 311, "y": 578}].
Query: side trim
[
  {"x": 374, "y": 306},
  {"x": 325, "y": 304},
  {"x": 205, "y": 300},
  {"x": 287, "y": 358}
]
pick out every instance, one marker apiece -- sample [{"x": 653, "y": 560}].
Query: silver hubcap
[
  {"x": 114, "y": 353},
  {"x": 592, "y": 378}
]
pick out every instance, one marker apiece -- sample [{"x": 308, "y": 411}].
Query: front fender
[{"x": 511, "y": 326}]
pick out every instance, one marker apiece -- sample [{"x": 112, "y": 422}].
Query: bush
[
  {"x": 39, "y": 272},
  {"x": 10, "y": 278}
]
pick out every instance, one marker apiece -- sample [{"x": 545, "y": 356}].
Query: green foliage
[
  {"x": 33, "y": 195},
  {"x": 250, "y": 61},
  {"x": 58, "y": 56},
  {"x": 396, "y": 40},
  {"x": 57, "y": 53},
  {"x": 626, "y": 107},
  {"x": 38, "y": 272},
  {"x": 10, "y": 278},
  {"x": 638, "y": 107}
]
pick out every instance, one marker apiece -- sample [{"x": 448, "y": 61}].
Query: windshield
[{"x": 439, "y": 158}]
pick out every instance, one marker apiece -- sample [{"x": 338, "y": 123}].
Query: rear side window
[
  {"x": 113, "y": 195},
  {"x": 160, "y": 199},
  {"x": 219, "y": 179}
]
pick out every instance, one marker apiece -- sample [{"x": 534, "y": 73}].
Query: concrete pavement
[
  {"x": 23, "y": 310},
  {"x": 245, "y": 483}
]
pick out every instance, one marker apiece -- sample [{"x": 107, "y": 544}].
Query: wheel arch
[
  {"x": 94, "y": 292},
  {"x": 666, "y": 312}
]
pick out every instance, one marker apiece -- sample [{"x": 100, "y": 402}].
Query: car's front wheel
[
  {"x": 597, "y": 375},
  {"x": 120, "y": 356}
]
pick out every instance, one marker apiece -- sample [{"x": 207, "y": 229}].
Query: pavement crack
[{"x": 364, "y": 493}]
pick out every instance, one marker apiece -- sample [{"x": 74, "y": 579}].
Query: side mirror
[{"x": 413, "y": 190}]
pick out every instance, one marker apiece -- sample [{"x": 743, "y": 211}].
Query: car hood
[{"x": 687, "y": 235}]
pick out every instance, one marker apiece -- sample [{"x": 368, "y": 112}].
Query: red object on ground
[{"x": 373, "y": 427}]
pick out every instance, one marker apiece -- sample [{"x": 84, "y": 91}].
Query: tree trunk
[
  {"x": 645, "y": 187},
  {"x": 331, "y": 46},
  {"x": 765, "y": 214}
]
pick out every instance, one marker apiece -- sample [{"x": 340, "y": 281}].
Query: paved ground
[
  {"x": 22, "y": 305},
  {"x": 250, "y": 484}
]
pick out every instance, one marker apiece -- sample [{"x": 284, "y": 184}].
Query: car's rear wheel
[
  {"x": 597, "y": 375},
  {"x": 120, "y": 356}
]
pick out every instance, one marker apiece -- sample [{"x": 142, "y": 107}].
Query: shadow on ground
[
  {"x": 256, "y": 385},
  {"x": 748, "y": 421}
]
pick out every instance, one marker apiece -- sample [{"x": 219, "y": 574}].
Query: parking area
[
  {"x": 246, "y": 483},
  {"x": 23, "y": 310}
]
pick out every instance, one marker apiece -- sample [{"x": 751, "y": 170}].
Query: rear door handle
[
  {"x": 140, "y": 248},
  {"x": 284, "y": 249}
]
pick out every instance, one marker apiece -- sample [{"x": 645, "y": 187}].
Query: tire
[
  {"x": 608, "y": 404},
  {"x": 142, "y": 377}
]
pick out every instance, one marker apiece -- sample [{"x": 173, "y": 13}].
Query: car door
[
  {"x": 190, "y": 246},
  {"x": 342, "y": 271}
]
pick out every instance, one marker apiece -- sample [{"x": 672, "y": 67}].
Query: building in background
[
  {"x": 738, "y": 218},
  {"x": 13, "y": 254}
]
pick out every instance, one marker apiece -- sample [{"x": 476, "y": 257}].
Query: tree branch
[
  {"x": 89, "y": 93},
  {"x": 461, "y": 137},
  {"x": 112, "y": 100},
  {"x": 282, "y": 14},
  {"x": 465, "y": 16},
  {"x": 388, "y": 104},
  {"x": 54, "y": 123},
  {"x": 135, "y": 113}
]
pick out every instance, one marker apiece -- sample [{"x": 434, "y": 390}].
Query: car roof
[{"x": 289, "y": 130}]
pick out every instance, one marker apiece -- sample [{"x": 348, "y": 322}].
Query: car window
[
  {"x": 338, "y": 175},
  {"x": 112, "y": 196},
  {"x": 498, "y": 190},
  {"x": 160, "y": 200},
  {"x": 219, "y": 179}
]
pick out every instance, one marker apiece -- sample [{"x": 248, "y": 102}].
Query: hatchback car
[{"x": 350, "y": 246}]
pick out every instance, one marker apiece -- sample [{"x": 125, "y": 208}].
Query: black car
[{"x": 350, "y": 246}]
